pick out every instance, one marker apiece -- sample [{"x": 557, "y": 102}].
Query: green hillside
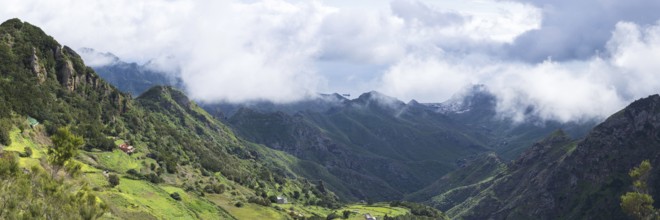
[
  {"x": 371, "y": 150},
  {"x": 186, "y": 164},
  {"x": 561, "y": 178}
]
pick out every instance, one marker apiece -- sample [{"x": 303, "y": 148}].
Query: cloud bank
[{"x": 561, "y": 60}]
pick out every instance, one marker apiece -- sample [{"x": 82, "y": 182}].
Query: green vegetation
[
  {"x": 189, "y": 165},
  {"x": 28, "y": 192},
  {"x": 639, "y": 204},
  {"x": 420, "y": 210},
  {"x": 370, "y": 146},
  {"x": 27, "y": 152},
  {"x": 176, "y": 196},
  {"x": 65, "y": 146},
  {"x": 5, "y": 126},
  {"x": 113, "y": 180},
  {"x": 180, "y": 149}
]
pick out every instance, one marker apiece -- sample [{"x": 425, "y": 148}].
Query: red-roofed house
[{"x": 126, "y": 148}]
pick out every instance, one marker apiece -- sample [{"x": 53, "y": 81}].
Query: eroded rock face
[
  {"x": 65, "y": 71},
  {"x": 37, "y": 68},
  {"x": 67, "y": 75}
]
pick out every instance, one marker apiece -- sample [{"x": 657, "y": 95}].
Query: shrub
[
  {"x": 239, "y": 204},
  {"x": 4, "y": 133},
  {"x": 259, "y": 201},
  {"x": 332, "y": 216},
  {"x": 346, "y": 214},
  {"x": 73, "y": 168},
  {"x": 209, "y": 189},
  {"x": 418, "y": 209},
  {"x": 135, "y": 174},
  {"x": 217, "y": 189},
  {"x": 154, "y": 178},
  {"x": 27, "y": 153},
  {"x": 176, "y": 196},
  {"x": 8, "y": 164},
  {"x": 113, "y": 179}
]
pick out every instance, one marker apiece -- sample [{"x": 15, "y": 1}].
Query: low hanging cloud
[
  {"x": 223, "y": 50},
  {"x": 265, "y": 55},
  {"x": 563, "y": 91},
  {"x": 563, "y": 60}
]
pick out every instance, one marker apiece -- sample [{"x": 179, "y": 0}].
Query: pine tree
[
  {"x": 639, "y": 204},
  {"x": 65, "y": 146}
]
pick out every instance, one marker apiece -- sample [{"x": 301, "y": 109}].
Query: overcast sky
[{"x": 571, "y": 60}]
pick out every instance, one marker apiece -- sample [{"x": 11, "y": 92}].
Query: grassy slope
[
  {"x": 139, "y": 199},
  {"x": 481, "y": 169},
  {"x": 131, "y": 198}
]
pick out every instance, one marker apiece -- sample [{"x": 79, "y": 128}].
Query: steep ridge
[
  {"x": 44, "y": 80},
  {"x": 178, "y": 145},
  {"x": 562, "y": 179}
]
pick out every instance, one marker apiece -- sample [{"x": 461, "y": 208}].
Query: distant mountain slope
[
  {"x": 476, "y": 107},
  {"x": 374, "y": 146},
  {"x": 131, "y": 77},
  {"x": 419, "y": 142},
  {"x": 320, "y": 103},
  {"x": 467, "y": 180},
  {"x": 563, "y": 179}
]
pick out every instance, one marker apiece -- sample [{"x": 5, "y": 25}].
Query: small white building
[
  {"x": 281, "y": 200},
  {"x": 369, "y": 217}
]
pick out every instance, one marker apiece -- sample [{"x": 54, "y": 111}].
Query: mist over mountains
[
  {"x": 572, "y": 61},
  {"x": 65, "y": 134},
  {"x": 378, "y": 147},
  {"x": 299, "y": 110}
]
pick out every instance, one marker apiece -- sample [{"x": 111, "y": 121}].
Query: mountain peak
[
  {"x": 650, "y": 103},
  {"x": 14, "y": 22},
  {"x": 161, "y": 91},
  {"x": 332, "y": 97},
  {"x": 374, "y": 96},
  {"x": 471, "y": 98}
]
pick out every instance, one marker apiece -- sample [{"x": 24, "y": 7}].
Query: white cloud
[
  {"x": 239, "y": 50},
  {"x": 558, "y": 91},
  {"x": 634, "y": 52},
  {"x": 563, "y": 91},
  {"x": 94, "y": 58},
  {"x": 426, "y": 78},
  {"x": 224, "y": 50},
  {"x": 266, "y": 54}
]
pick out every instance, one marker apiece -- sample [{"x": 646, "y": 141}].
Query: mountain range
[{"x": 232, "y": 160}]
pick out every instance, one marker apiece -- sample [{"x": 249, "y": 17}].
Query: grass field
[
  {"x": 358, "y": 210},
  {"x": 117, "y": 161},
  {"x": 377, "y": 210},
  {"x": 140, "y": 199},
  {"x": 19, "y": 142},
  {"x": 248, "y": 210}
]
